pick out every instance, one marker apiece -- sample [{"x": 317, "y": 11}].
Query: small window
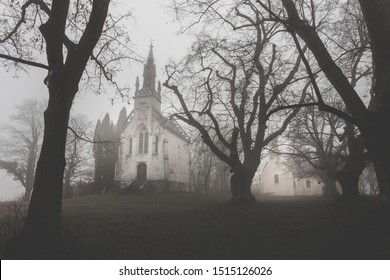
[
  {"x": 130, "y": 146},
  {"x": 156, "y": 145},
  {"x": 276, "y": 178},
  {"x": 308, "y": 184}
]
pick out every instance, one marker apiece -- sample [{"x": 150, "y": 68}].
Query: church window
[
  {"x": 308, "y": 184},
  {"x": 156, "y": 145},
  {"x": 130, "y": 145},
  {"x": 143, "y": 141},
  {"x": 276, "y": 178}
]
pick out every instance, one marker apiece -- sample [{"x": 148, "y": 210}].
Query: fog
[{"x": 150, "y": 23}]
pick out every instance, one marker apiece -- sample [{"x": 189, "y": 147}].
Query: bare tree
[
  {"x": 208, "y": 173},
  {"x": 315, "y": 147},
  {"x": 356, "y": 62},
  {"x": 69, "y": 34},
  {"x": 78, "y": 154},
  {"x": 233, "y": 86},
  {"x": 302, "y": 19},
  {"x": 22, "y": 144},
  {"x": 202, "y": 166}
]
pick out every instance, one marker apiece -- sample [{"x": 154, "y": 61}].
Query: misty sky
[{"x": 151, "y": 22}]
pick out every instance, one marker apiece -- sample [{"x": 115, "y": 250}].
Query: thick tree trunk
[
  {"x": 377, "y": 143},
  {"x": 377, "y": 18},
  {"x": 349, "y": 175},
  {"x": 27, "y": 194},
  {"x": 329, "y": 188},
  {"x": 42, "y": 230},
  {"x": 349, "y": 181},
  {"x": 67, "y": 186},
  {"x": 240, "y": 184}
]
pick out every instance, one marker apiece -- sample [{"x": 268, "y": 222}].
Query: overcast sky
[{"x": 152, "y": 22}]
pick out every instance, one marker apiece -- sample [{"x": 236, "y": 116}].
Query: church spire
[{"x": 150, "y": 71}]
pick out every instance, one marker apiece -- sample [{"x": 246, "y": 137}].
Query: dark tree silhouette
[
  {"x": 372, "y": 121},
  {"x": 78, "y": 154},
  {"x": 44, "y": 26},
  {"x": 233, "y": 84}
]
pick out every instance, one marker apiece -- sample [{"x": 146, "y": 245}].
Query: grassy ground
[{"x": 207, "y": 226}]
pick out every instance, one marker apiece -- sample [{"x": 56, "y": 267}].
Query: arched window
[
  {"x": 143, "y": 141},
  {"x": 276, "y": 178},
  {"x": 156, "y": 144},
  {"x": 130, "y": 145}
]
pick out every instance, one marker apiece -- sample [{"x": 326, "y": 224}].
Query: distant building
[
  {"x": 276, "y": 179},
  {"x": 154, "y": 150}
]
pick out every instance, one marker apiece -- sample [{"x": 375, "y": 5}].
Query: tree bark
[
  {"x": 240, "y": 184},
  {"x": 377, "y": 142},
  {"x": 329, "y": 188},
  {"x": 27, "y": 194},
  {"x": 67, "y": 186},
  {"x": 349, "y": 181},
  {"x": 42, "y": 230},
  {"x": 349, "y": 175}
]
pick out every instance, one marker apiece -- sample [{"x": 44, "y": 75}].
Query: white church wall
[
  {"x": 276, "y": 180},
  {"x": 179, "y": 158},
  {"x": 308, "y": 186}
]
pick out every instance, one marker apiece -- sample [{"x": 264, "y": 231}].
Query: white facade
[
  {"x": 153, "y": 148},
  {"x": 276, "y": 179}
]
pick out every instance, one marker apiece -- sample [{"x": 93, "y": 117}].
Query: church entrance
[{"x": 141, "y": 172}]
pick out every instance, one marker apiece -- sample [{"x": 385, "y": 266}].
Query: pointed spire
[
  {"x": 150, "y": 71},
  {"x": 137, "y": 84},
  {"x": 150, "y": 55}
]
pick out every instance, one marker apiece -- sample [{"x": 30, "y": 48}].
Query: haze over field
[{"x": 151, "y": 23}]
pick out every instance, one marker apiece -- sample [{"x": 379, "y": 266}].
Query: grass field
[{"x": 207, "y": 226}]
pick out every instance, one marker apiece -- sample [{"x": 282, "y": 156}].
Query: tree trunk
[
  {"x": 349, "y": 181},
  {"x": 329, "y": 188},
  {"x": 27, "y": 194},
  {"x": 240, "y": 184},
  {"x": 67, "y": 186},
  {"x": 41, "y": 233},
  {"x": 378, "y": 147},
  {"x": 349, "y": 175}
]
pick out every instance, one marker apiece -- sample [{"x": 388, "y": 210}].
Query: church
[
  {"x": 154, "y": 151},
  {"x": 276, "y": 179}
]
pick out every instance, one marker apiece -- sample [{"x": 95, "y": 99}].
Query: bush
[{"x": 12, "y": 218}]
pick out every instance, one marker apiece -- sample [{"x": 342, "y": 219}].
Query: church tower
[
  {"x": 154, "y": 151},
  {"x": 147, "y": 98}
]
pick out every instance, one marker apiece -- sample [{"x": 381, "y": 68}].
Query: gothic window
[
  {"x": 276, "y": 178},
  {"x": 130, "y": 145},
  {"x": 308, "y": 184},
  {"x": 156, "y": 145},
  {"x": 143, "y": 141}
]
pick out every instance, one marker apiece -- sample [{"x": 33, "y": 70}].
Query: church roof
[
  {"x": 170, "y": 125},
  {"x": 166, "y": 123}
]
